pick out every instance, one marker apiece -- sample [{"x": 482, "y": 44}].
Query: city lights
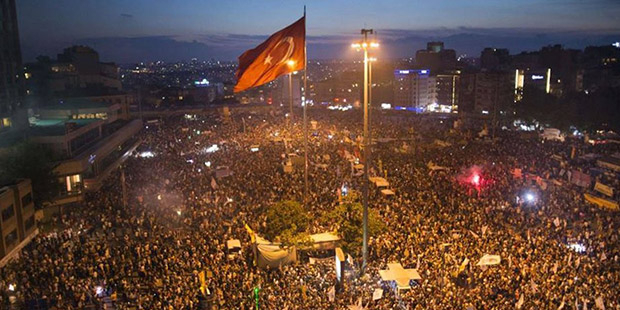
[
  {"x": 147, "y": 154},
  {"x": 478, "y": 160}
]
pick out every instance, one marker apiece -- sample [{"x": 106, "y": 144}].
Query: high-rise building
[
  {"x": 11, "y": 82},
  {"x": 436, "y": 58},
  {"x": 447, "y": 89},
  {"x": 494, "y": 59},
  {"x": 413, "y": 88},
  {"x": 77, "y": 72},
  {"x": 494, "y": 92}
]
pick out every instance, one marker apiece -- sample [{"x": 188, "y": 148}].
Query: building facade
[
  {"x": 413, "y": 88},
  {"x": 436, "y": 58},
  {"x": 18, "y": 222},
  {"x": 90, "y": 139},
  {"x": 11, "y": 73}
]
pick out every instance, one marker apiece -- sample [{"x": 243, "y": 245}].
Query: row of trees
[{"x": 288, "y": 223}]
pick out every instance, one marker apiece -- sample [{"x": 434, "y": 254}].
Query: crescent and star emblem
[{"x": 289, "y": 52}]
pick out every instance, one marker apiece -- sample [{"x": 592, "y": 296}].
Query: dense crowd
[{"x": 556, "y": 250}]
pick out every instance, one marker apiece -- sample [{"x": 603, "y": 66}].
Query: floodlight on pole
[{"x": 364, "y": 45}]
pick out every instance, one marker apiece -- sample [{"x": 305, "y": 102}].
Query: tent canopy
[
  {"x": 233, "y": 243},
  {"x": 379, "y": 181},
  {"x": 489, "y": 260},
  {"x": 396, "y": 272},
  {"x": 387, "y": 192},
  {"x": 324, "y": 237}
]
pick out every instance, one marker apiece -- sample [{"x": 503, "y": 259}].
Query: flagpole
[{"x": 304, "y": 101}]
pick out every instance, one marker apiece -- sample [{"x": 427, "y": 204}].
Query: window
[
  {"x": 29, "y": 223},
  {"x": 8, "y": 213},
  {"x": 26, "y": 200},
  {"x": 11, "y": 238},
  {"x": 73, "y": 184}
]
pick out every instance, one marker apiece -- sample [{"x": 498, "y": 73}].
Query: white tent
[
  {"x": 269, "y": 254},
  {"x": 387, "y": 192},
  {"x": 489, "y": 260},
  {"x": 401, "y": 276},
  {"x": 379, "y": 181},
  {"x": 233, "y": 244},
  {"x": 273, "y": 256},
  {"x": 324, "y": 241}
]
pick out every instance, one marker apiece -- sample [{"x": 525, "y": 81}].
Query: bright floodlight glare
[
  {"x": 99, "y": 290},
  {"x": 356, "y": 45},
  {"x": 147, "y": 154},
  {"x": 212, "y": 149},
  {"x": 11, "y": 287},
  {"x": 577, "y": 247},
  {"x": 374, "y": 44},
  {"x": 290, "y": 63},
  {"x": 475, "y": 179},
  {"x": 529, "y": 197}
]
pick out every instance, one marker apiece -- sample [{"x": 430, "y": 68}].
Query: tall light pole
[
  {"x": 365, "y": 45},
  {"x": 291, "y": 64}
]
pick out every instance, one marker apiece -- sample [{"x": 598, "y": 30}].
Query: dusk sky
[{"x": 141, "y": 30}]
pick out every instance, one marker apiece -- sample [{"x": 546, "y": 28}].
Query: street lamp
[
  {"x": 364, "y": 45},
  {"x": 290, "y": 63}
]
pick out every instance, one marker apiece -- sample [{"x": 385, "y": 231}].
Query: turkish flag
[{"x": 282, "y": 53}]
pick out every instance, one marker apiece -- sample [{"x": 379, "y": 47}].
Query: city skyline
[{"x": 132, "y": 32}]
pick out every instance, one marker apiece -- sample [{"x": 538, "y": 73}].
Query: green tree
[
  {"x": 30, "y": 161},
  {"x": 347, "y": 218},
  {"x": 287, "y": 223}
]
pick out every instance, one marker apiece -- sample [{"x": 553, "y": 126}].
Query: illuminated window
[
  {"x": 6, "y": 122},
  {"x": 73, "y": 183}
]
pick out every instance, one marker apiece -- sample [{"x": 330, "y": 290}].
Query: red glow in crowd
[{"x": 475, "y": 179}]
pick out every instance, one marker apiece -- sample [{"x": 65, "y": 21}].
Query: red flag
[{"x": 282, "y": 53}]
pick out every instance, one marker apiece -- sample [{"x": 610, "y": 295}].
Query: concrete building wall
[{"x": 17, "y": 220}]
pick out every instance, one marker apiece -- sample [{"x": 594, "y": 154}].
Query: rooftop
[
  {"x": 76, "y": 104},
  {"x": 56, "y": 127}
]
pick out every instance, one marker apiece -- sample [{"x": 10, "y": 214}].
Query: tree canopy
[
  {"x": 347, "y": 218},
  {"x": 287, "y": 223}
]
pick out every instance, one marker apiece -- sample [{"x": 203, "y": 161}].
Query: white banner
[{"x": 377, "y": 294}]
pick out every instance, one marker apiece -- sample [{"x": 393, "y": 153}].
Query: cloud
[{"x": 396, "y": 43}]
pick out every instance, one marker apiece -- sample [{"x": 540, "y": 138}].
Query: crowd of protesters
[{"x": 145, "y": 251}]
